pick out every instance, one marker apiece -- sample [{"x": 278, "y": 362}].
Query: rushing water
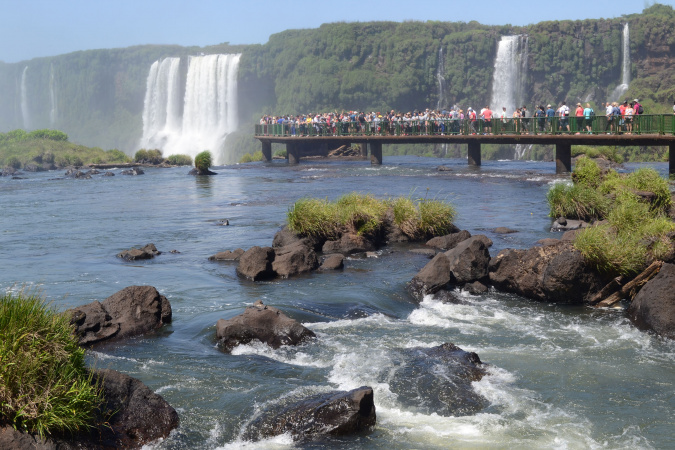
[
  {"x": 625, "y": 65},
  {"x": 560, "y": 376}
]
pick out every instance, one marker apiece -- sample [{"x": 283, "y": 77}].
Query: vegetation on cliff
[
  {"x": 632, "y": 225},
  {"x": 44, "y": 385},
  {"x": 365, "y": 215}
]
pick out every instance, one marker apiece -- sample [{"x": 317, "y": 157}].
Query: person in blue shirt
[
  {"x": 550, "y": 114},
  {"x": 588, "y": 117}
]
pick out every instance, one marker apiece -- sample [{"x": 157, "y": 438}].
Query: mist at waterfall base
[
  {"x": 559, "y": 376},
  {"x": 186, "y": 115}
]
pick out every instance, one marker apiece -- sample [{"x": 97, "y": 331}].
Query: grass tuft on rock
[
  {"x": 45, "y": 387},
  {"x": 632, "y": 229},
  {"x": 365, "y": 215}
]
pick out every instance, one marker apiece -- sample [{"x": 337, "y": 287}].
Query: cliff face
[{"x": 97, "y": 96}]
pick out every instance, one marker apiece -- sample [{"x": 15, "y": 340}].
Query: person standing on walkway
[
  {"x": 579, "y": 117},
  {"x": 588, "y": 117},
  {"x": 609, "y": 113}
]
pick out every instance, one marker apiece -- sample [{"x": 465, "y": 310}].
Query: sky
[{"x": 37, "y": 28}]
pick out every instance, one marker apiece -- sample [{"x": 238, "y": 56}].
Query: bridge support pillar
[
  {"x": 563, "y": 158},
  {"x": 671, "y": 160},
  {"x": 267, "y": 151},
  {"x": 293, "y": 153},
  {"x": 375, "y": 153},
  {"x": 474, "y": 153}
]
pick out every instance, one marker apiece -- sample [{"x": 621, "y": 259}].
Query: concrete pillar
[
  {"x": 474, "y": 153},
  {"x": 375, "y": 153},
  {"x": 293, "y": 153},
  {"x": 364, "y": 149},
  {"x": 267, "y": 151},
  {"x": 671, "y": 160},
  {"x": 563, "y": 158}
]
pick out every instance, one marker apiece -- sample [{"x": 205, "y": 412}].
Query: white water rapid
[
  {"x": 625, "y": 66},
  {"x": 25, "y": 115},
  {"x": 202, "y": 117}
]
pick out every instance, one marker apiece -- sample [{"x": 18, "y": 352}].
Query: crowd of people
[{"x": 619, "y": 118}]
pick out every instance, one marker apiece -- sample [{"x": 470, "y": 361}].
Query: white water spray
[
  {"x": 53, "y": 111},
  {"x": 508, "y": 79},
  {"x": 209, "y": 106},
  {"x": 625, "y": 67},
  {"x": 24, "y": 100}
]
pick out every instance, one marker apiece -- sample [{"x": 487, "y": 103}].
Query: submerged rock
[
  {"x": 134, "y": 254},
  {"x": 133, "y": 311},
  {"x": 336, "y": 413},
  {"x": 438, "y": 380},
  {"x": 133, "y": 171},
  {"x": 349, "y": 244},
  {"x": 262, "y": 323},
  {"x": 227, "y": 255},
  {"x": 653, "y": 307}
]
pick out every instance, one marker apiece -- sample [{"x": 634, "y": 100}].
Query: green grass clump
[
  {"x": 248, "y": 157},
  {"x": 587, "y": 172},
  {"x": 179, "y": 160},
  {"x": 44, "y": 385},
  {"x": 365, "y": 215},
  {"x": 576, "y": 201},
  {"x": 203, "y": 161}
]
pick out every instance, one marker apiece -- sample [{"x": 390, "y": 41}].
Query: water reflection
[{"x": 204, "y": 185}]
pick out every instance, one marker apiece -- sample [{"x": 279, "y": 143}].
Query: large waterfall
[
  {"x": 625, "y": 66},
  {"x": 508, "y": 79},
  {"x": 53, "y": 110},
  {"x": 193, "y": 116},
  {"x": 442, "y": 102},
  {"x": 25, "y": 115}
]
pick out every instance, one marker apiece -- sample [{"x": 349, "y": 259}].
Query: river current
[{"x": 559, "y": 376}]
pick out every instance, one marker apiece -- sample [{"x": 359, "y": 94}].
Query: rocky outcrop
[
  {"x": 130, "y": 417},
  {"x": 294, "y": 259},
  {"x": 133, "y": 311},
  {"x": 349, "y": 244},
  {"x": 227, "y": 255},
  {"x": 135, "y": 254},
  {"x": 434, "y": 276},
  {"x": 553, "y": 273},
  {"x": 438, "y": 380},
  {"x": 335, "y": 413},
  {"x": 653, "y": 307},
  {"x": 256, "y": 264},
  {"x": 262, "y": 323},
  {"x": 196, "y": 171},
  {"x": 449, "y": 240},
  {"x": 333, "y": 262},
  {"x": 75, "y": 173}
]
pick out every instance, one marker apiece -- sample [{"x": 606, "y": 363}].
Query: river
[{"x": 559, "y": 376}]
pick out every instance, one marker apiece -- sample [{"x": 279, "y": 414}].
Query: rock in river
[{"x": 654, "y": 306}]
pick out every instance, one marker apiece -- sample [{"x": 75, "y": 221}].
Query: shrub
[
  {"x": 406, "y": 215},
  {"x": 44, "y": 385},
  {"x": 13, "y": 162},
  {"x": 141, "y": 156},
  {"x": 576, "y": 201},
  {"x": 587, "y": 172},
  {"x": 359, "y": 213},
  {"x": 313, "y": 217},
  {"x": 114, "y": 155},
  {"x": 247, "y": 157},
  {"x": 53, "y": 135},
  {"x": 48, "y": 158},
  {"x": 203, "y": 161},
  {"x": 180, "y": 160},
  {"x": 155, "y": 157},
  {"x": 648, "y": 179},
  {"x": 279, "y": 153}
]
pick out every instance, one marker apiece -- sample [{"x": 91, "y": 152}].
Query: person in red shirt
[
  {"x": 487, "y": 115},
  {"x": 579, "y": 114},
  {"x": 622, "y": 112}
]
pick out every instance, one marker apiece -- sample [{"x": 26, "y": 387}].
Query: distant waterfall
[
  {"x": 508, "y": 79},
  {"x": 625, "y": 67},
  {"x": 53, "y": 111},
  {"x": 24, "y": 100},
  {"x": 203, "y": 117},
  {"x": 442, "y": 102}
]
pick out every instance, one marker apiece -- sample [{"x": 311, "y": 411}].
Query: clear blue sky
[{"x": 34, "y": 28}]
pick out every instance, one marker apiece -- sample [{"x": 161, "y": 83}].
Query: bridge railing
[{"x": 640, "y": 124}]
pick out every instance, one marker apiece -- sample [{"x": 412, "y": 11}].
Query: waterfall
[
  {"x": 625, "y": 66},
  {"x": 24, "y": 100},
  {"x": 53, "y": 111},
  {"x": 203, "y": 117},
  {"x": 441, "y": 80},
  {"x": 508, "y": 79}
]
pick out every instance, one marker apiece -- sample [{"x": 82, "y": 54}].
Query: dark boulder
[
  {"x": 34, "y": 168},
  {"x": 349, "y": 244},
  {"x": 10, "y": 171},
  {"x": 227, "y": 255},
  {"x": 554, "y": 273},
  {"x": 468, "y": 260},
  {"x": 130, "y": 417},
  {"x": 334, "y": 261},
  {"x": 391, "y": 231},
  {"x": 133, "y": 311},
  {"x": 336, "y": 413},
  {"x": 75, "y": 173},
  {"x": 134, "y": 254},
  {"x": 449, "y": 240},
  {"x": 294, "y": 259},
  {"x": 653, "y": 307},
  {"x": 262, "y": 323},
  {"x": 434, "y": 276},
  {"x": 196, "y": 171},
  {"x": 133, "y": 171},
  {"x": 438, "y": 380},
  {"x": 256, "y": 263},
  {"x": 286, "y": 237},
  {"x": 476, "y": 288},
  {"x": 108, "y": 174}
]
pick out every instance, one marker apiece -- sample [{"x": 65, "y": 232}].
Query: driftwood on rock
[{"x": 631, "y": 288}]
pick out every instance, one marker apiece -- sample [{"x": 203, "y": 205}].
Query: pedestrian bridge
[{"x": 317, "y": 139}]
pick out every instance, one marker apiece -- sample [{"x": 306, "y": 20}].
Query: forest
[{"x": 96, "y": 96}]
